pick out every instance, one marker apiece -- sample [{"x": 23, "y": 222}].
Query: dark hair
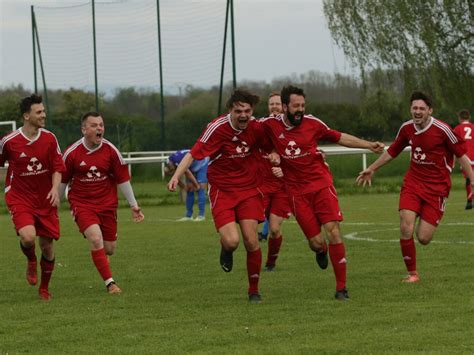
[
  {"x": 27, "y": 102},
  {"x": 273, "y": 93},
  {"x": 418, "y": 95},
  {"x": 289, "y": 90},
  {"x": 464, "y": 114},
  {"x": 241, "y": 95},
  {"x": 89, "y": 114}
]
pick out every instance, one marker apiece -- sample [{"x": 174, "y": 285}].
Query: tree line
[{"x": 373, "y": 109}]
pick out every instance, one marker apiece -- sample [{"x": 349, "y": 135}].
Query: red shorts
[
  {"x": 277, "y": 203},
  {"x": 314, "y": 209},
  {"x": 428, "y": 206},
  {"x": 106, "y": 219},
  {"x": 45, "y": 221},
  {"x": 234, "y": 206}
]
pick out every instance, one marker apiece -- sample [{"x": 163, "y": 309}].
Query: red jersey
[
  {"x": 302, "y": 164},
  {"x": 233, "y": 164},
  {"x": 465, "y": 130},
  {"x": 31, "y": 164},
  {"x": 432, "y": 155},
  {"x": 93, "y": 175}
]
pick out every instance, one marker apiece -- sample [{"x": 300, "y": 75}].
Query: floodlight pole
[
  {"x": 95, "y": 58},
  {"x": 33, "y": 25},
  {"x": 42, "y": 70},
  {"x": 162, "y": 96},
  {"x": 221, "y": 87},
  {"x": 234, "y": 75}
]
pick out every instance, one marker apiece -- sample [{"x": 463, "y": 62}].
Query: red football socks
[
  {"x": 101, "y": 262},
  {"x": 254, "y": 264},
  {"x": 274, "y": 245},
  {"x": 337, "y": 252},
  {"x": 29, "y": 252},
  {"x": 409, "y": 253},
  {"x": 47, "y": 268}
]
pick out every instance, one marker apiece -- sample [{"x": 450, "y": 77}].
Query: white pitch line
[{"x": 353, "y": 236}]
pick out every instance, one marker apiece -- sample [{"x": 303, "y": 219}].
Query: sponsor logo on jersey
[
  {"x": 281, "y": 136},
  {"x": 82, "y": 163},
  {"x": 419, "y": 157},
  {"x": 34, "y": 167},
  {"x": 292, "y": 149},
  {"x": 235, "y": 139},
  {"x": 22, "y": 155},
  {"x": 94, "y": 175},
  {"x": 242, "y": 149}
]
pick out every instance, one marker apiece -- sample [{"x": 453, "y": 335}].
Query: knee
[
  {"x": 110, "y": 251},
  {"x": 424, "y": 238},
  {"x": 316, "y": 243},
  {"x": 274, "y": 231},
  {"x": 28, "y": 240},
  {"x": 334, "y": 234},
  {"x": 406, "y": 229},
  {"x": 230, "y": 244}
]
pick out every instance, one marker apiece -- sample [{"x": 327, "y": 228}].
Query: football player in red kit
[
  {"x": 231, "y": 142},
  {"x": 465, "y": 130},
  {"x": 427, "y": 183},
  {"x": 313, "y": 198},
  {"x": 94, "y": 169},
  {"x": 32, "y": 188}
]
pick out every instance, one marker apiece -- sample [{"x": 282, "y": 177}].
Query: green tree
[{"x": 430, "y": 43}]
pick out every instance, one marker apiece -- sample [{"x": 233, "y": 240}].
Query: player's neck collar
[
  {"x": 420, "y": 131},
  {"x": 288, "y": 126},
  {"x": 229, "y": 119},
  {"x": 33, "y": 139},
  {"x": 91, "y": 150}
]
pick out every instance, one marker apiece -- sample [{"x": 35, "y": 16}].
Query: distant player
[
  {"x": 32, "y": 188},
  {"x": 276, "y": 203},
  {"x": 94, "y": 169},
  {"x": 231, "y": 142},
  {"x": 465, "y": 129},
  {"x": 313, "y": 198},
  {"x": 427, "y": 183},
  {"x": 196, "y": 180}
]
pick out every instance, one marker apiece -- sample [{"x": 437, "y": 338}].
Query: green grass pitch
[{"x": 176, "y": 298}]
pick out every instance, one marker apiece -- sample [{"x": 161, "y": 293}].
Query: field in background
[{"x": 176, "y": 298}]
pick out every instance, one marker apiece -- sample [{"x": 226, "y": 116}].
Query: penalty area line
[{"x": 355, "y": 236}]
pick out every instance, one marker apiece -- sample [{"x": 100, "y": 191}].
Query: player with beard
[
  {"x": 313, "y": 198},
  {"x": 94, "y": 169},
  {"x": 465, "y": 129},
  {"x": 427, "y": 183},
  {"x": 231, "y": 142},
  {"x": 277, "y": 206},
  {"x": 32, "y": 193}
]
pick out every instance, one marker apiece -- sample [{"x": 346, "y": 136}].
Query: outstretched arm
[
  {"x": 350, "y": 141},
  {"x": 182, "y": 167},
  {"x": 366, "y": 175}
]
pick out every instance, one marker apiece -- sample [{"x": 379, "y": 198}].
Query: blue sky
[{"x": 274, "y": 38}]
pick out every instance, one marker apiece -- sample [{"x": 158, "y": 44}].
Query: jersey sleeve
[
  {"x": 331, "y": 135},
  {"x": 119, "y": 166},
  {"x": 262, "y": 137},
  {"x": 208, "y": 144},
  {"x": 456, "y": 144},
  {"x": 400, "y": 142},
  {"x": 69, "y": 169},
  {"x": 3, "y": 153}
]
